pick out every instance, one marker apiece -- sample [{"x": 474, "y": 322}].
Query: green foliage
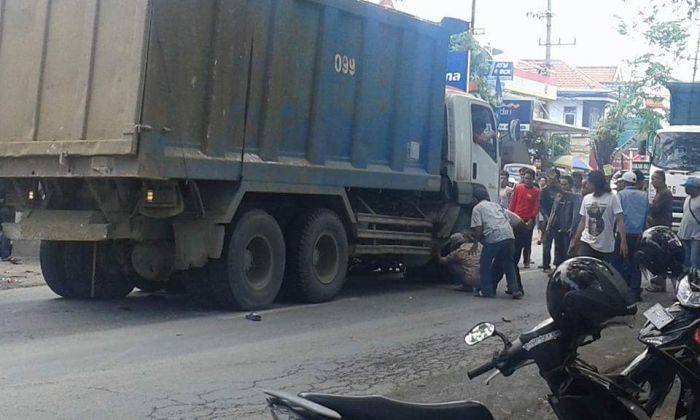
[
  {"x": 668, "y": 41},
  {"x": 480, "y": 63},
  {"x": 548, "y": 149},
  {"x": 670, "y": 36}
]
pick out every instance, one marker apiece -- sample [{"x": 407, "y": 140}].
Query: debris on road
[
  {"x": 253, "y": 317},
  {"x": 19, "y": 275}
]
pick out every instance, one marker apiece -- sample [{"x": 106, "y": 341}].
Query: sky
[{"x": 506, "y": 26}]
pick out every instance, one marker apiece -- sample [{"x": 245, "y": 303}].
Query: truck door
[
  {"x": 470, "y": 158},
  {"x": 484, "y": 149}
]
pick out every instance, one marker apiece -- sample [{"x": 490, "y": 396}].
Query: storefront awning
[{"x": 540, "y": 124}]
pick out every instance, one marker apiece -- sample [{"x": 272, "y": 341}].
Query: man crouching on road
[
  {"x": 462, "y": 264},
  {"x": 491, "y": 227}
]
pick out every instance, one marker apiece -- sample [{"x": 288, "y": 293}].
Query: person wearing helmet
[
  {"x": 584, "y": 292},
  {"x": 689, "y": 232}
]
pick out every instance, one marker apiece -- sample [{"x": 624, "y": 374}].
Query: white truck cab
[
  {"x": 472, "y": 153},
  {"x": 676, "y": 151}
]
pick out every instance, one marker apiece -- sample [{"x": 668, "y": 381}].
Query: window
[
  {"x": 570, "y": 115},
  {"x": 484, "y": 129},
  {"x": 677, "y": 151}
]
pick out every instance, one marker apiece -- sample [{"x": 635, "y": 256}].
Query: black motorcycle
[
  {"x": 578, "y": 390},
  {"x": 672, "y": 338}
]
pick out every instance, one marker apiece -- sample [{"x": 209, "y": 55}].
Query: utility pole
[
  {"x": 548, "y": 57},
  {"x": 548, "y": 44},
  {"x": 697, "y": 50},
  {"x": 473, "y": 24},
  {"x": 468, "y": 72}
]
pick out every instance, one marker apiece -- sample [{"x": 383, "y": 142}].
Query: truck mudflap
[{"x": 61, "y": 225}]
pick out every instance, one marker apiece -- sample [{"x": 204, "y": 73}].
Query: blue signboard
[
  {"x": 515, "y": 110},
  {"x": 456, "y": 70},
  {"x": 502, "y": 70}
]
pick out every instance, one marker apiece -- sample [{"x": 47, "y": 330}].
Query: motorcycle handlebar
[
  {"x": 481, "y": 369},
  {"x": 506, "y": 354}
]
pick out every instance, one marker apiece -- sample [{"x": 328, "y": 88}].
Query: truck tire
[
  {"x": 249, "y": 274},
  {"x": 52, "y": 261},
  {"x": 317, "y": 256},
  {"x": 111, "y": 281}
]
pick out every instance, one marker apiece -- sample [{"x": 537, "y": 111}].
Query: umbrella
[{"x": 571, "y": 163}]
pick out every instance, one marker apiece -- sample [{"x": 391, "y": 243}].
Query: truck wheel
[
  {"x": 249, "y": 274},
  {"x": 52, "y": 261},
  {"x": 109, "y": 280},
  {"x": 317, "y": 256}
]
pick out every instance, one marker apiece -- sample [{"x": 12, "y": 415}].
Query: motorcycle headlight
[{"x": 686, "y": 295}]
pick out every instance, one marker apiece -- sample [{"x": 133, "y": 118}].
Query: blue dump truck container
[
  {"x": 685, "y": 103},
  {"x": 242, "y": 146}
]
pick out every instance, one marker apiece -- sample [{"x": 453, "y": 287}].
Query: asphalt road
[{"x": 157, "y": 356}]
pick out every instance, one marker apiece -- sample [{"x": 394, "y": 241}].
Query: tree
[
  {"x": 480, "y": 65},
  {"x": 548, "y": 149},
  {"x": 666, "y": 27}
]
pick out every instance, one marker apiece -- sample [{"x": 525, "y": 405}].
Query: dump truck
[{"x": 243, "y": 147}]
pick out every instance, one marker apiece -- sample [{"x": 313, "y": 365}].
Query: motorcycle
[
  {"x": 579, "y": 391},
  {"x": 672, "y": 339}
]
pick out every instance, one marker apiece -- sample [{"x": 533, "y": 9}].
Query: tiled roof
[
  {"x": 567, "y": 77},
  {"x": 601, "y": 74}
]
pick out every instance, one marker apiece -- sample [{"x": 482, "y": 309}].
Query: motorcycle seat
[{"x": 382, "y": 408}]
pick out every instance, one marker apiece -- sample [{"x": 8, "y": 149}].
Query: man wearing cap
[
  {"x": 689, "y": 231},
  {"x": 635, "y": 207}
]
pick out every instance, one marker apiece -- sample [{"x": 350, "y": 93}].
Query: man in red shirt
[{"x": 525, "y": 202}]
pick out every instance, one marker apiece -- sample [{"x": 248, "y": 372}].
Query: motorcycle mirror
[{"x": 479, "y": 333}]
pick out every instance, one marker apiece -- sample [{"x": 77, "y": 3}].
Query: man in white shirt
[
  {"x": 601, "y": 213},
  {"x": 689, "y": 231},
  {"x": 491, "y": 227},
  {"x": 506, "y": 191}
]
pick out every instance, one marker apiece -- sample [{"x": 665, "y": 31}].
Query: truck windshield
[{"x": 680, "y": 151}]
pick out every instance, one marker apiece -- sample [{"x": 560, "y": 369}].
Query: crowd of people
[{"x": 575, "y": 216}]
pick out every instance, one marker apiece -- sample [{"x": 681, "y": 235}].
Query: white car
[{"x": 513, "y": 170}]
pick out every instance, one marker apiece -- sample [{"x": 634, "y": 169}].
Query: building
[
  {"x": 608, "y": 76},
  {"x": 583, "y": 93},
  {"x": 534, "y": 90},
  {"x": 581, "y": 100}
]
